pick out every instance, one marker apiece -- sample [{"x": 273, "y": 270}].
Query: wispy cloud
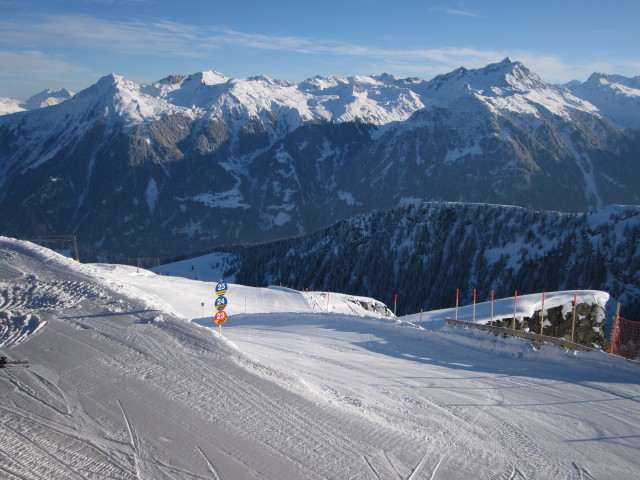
[
  {"x": 119, "y": 2},
  {"x": 464, "y": 13},
  {"x": 171, "y": 39},
  {"x": 449, "y": 55},
  {"x": 220, "y": 36},
  {"x": 83, "y": 31},
  {"x": 32, "y": 62},
  {"x": 555, "y": 70},
  {"x": 165, "y": 38}
]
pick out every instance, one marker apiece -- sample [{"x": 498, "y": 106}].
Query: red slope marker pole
[
  {"x": 515, "y": 301},
  {"x": 492, "y": 299},
  {"x": 575, "y": 308},
  {"x": 542, "y": 315}
]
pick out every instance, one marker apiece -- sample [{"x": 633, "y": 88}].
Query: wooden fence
[{"x": 522, "y": 334}]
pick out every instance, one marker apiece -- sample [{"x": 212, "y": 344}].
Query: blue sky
[{"x": 71, "y": 44}]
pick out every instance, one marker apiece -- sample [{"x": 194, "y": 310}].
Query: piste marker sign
[
  {"x": 221, "y": 288},
  {"x": 221, "y": 302},
  {"x": 220, "y": 317}
]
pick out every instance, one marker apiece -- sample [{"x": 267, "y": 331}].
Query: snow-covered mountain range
[
  {"x": 46, "y": 98},
  {"x": 189, "y": 162},
  {"x": 615, "y": 96}
]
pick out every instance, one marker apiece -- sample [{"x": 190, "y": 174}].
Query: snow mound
[
  {"x": 346, "y": 304},
  {"x": 15, "y": 328}
]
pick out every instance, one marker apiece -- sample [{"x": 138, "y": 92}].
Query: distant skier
[{"x": 6, "y": 364}]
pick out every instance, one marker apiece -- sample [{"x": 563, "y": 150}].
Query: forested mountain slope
[{"x": 424, "y": 252}]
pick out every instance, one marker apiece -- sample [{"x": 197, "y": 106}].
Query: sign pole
[
  {"x": 515, "y": 301},
  {"x": 221, "y": 303},
  {"x": 542, "y": 315},
  {"x": 575, "y": 308},
  {"x": 457, "y": 298},
  {"x": 492, "y": 298},
  {"x": 474, "y": 305}
]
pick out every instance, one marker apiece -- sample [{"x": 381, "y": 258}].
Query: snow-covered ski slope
[{"x": 129, "y": 379}]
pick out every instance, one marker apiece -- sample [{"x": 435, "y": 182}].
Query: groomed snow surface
[{"x": 129, "y": 378}]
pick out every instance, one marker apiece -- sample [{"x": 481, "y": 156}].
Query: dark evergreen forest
[{"x": 424, "y": 252}]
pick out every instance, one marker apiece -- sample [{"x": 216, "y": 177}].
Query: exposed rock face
[{"x": 589, "y": 324}]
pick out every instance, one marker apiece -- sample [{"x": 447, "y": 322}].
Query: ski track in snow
[
  {"x": 15, "y": 328},
  {"x": 211, "y": 467},
  {"x": 58, "y": 449},
  {"x": 21, "y": 299},
  {"x": 480, "y": 429}
]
